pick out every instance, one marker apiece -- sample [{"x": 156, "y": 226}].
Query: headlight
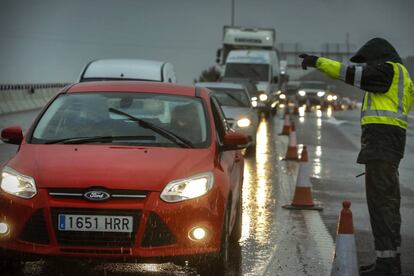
[
  {"x": 244, "y": 122},
  {"x": 254, "y": 98},
  {"x": 254, "y": 103},
  {"x": 263, "y": 97},
  {"x": 188, "y": 188},
  {"x": 17, "y": 184},
  {"x": 335, "y": 97},
  {"x": 302, "y": 93},
  {"x": 282, "y": 96},
  {"x": 320, "y": 93}
]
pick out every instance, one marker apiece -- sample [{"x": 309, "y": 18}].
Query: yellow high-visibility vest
[{"x": 392, "y": 107}]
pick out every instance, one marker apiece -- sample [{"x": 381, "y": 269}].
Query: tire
[
  {"x": 251, "y": 150},
  {"x": 237, "y": 229}
]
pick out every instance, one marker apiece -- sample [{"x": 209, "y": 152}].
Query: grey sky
[{"x": 51, "y": 40}]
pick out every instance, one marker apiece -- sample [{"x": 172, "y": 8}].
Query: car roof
[
  {"x": 220, "y": 85},
  {"x": 133, "y": 87},
  {"x": 139, "y": 69}
]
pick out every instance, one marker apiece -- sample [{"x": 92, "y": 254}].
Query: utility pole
[
  {"x": 232, "y": 12},
  {"x": 347, "y": 46}
]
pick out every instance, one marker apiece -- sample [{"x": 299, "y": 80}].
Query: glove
[{"x": 308, "y": 61}]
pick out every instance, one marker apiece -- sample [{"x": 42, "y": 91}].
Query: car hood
[
  {"x": 112, "y": 167},
  {"x": 235, "y": 112}
]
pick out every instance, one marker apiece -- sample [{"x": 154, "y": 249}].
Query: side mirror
[
  {"x": 235, "y": 141},
  {"x": 12, "y": 135},
  {"x": 275, "y": 79}
]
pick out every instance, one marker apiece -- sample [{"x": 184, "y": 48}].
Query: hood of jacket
[{"x": 376, "y": 50}]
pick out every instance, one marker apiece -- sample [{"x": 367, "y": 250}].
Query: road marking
[
  {"x": 334, "y": 121},
  {"x": 304, "y": 245}
]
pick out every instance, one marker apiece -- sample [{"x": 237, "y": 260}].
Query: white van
[
  {"x": 262, "y": 66},
  {"x": 128, "y": 69}
]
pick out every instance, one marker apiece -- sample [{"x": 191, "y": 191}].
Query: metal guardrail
[{"x": 30, "y": 86}]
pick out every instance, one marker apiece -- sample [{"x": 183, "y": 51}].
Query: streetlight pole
[{"x": 232, "y": 12}]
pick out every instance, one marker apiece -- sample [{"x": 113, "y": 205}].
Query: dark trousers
[{"x": 383, "y": 197}]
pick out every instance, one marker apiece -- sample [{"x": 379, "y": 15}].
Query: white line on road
[{"x": 304, "y": 245}]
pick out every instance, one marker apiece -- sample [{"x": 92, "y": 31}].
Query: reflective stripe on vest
[
  {"x": 386, "y": 254},
  {"x": 357, "y": 75},
  {"x": 399, "y": 115},
  {"x": 342, "y": 72}
]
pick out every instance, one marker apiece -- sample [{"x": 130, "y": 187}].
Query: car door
[{"x": 231, "y": 161}]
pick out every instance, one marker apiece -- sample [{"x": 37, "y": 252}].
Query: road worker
[{"x": 388, "y": 98}]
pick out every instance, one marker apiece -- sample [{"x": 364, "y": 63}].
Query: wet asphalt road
[{"x": 275, "y": 241}]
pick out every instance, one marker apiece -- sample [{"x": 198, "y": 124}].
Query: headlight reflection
[{"x": 256, "y": 191}]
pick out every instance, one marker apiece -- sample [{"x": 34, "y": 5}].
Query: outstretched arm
[{"x": 371, "y": 78}]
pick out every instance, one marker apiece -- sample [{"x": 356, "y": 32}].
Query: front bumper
[
  {"x": 161, "y": 230},
  {"x": 310, "y": 99}
]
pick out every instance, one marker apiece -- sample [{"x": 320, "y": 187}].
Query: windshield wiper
[
  {"x": 181, "y": 141},
  {"x": 101, "y": 139}
]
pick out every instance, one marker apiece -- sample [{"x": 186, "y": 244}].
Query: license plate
[{"x": 90, "y": 223}]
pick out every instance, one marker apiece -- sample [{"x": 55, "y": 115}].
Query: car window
[
  {"x": 253, "y": 71},
  {"x": 231, "y": 97},
  {"x": 89, "y": 115}
]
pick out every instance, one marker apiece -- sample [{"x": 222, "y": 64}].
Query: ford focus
[{"x": 136, "y": 171}]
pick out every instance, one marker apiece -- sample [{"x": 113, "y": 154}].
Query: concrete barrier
[
  {"x": 24, "y": 97},
  {"x": 29, "y": 98}
]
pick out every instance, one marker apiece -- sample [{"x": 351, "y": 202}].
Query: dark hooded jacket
[{"x": 378, "y": 141}]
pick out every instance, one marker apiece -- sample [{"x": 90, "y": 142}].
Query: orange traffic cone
[
  {"x": 304, "y": 154},
  {"x": 286, "y": 124},
  {"x": 302, "y": 200},
  {"x": 345, "y": 260},
  {"x": 292, "y": 151}
]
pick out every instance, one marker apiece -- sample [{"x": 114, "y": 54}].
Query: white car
[
  {"x": 237, "y": 107},
  {"x": 128, "y": 69},
  {"x": 311, "y": 92}
]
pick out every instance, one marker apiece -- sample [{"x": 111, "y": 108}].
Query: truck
[
  {"x": 241, "y": 38},
  {"x": 251, "y": 53}
]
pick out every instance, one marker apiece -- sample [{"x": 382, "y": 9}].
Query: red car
[{"x": 124, "y": 171}]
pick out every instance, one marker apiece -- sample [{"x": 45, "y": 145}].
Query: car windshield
[
  {"x": 314, "y": 85},
  {"x": 253, "y": 71},
  {"x": 231, "y": 97},
  {"x": 124, "y": 119}
]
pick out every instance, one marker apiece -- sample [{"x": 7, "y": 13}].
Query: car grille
[
  {"x": 96, "y": 239},
  {"x": 157, "y": 232},
  {"x": 35, "y": 230},
  {"x": 114, "y": 194}
]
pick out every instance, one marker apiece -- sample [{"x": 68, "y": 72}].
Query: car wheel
[
  {"x": 237, "y": 229},
  {"x": 250, "y": 151}
]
